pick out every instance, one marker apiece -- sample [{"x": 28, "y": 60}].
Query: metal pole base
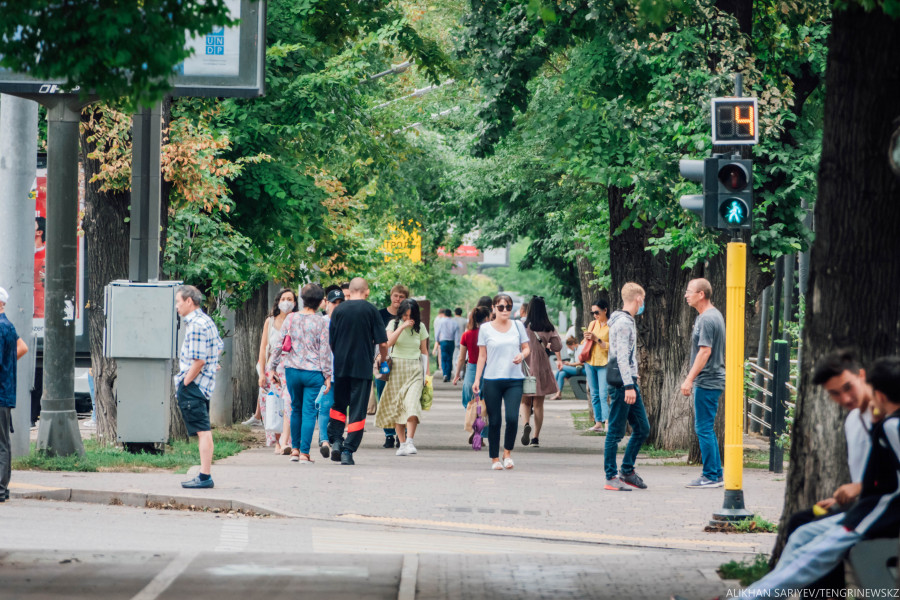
[
  {"x": 58, "y": 434},
  {"x": 732, "y": 509}
]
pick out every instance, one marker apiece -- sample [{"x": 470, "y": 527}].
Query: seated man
[{"x": 814, "y": 550}]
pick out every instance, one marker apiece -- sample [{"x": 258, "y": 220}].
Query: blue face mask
[{"x": 641, "y": 310}]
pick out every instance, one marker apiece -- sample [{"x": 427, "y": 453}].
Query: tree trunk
[
  {"x": 106, "y": 239},
  {"x": 589, "y": 292},
  {"x": 857, "y": 217},
  {"x": 248, "y": 325},
  {"x": 663, "y": 330}
]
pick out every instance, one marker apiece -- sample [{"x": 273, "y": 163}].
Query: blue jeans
[
  {"x": 379, "y": 387},
  {"x": 596, "y": 379},
  {"x": 447, "y": 358},
  {"x": 323, "y": 404},
  {"x": 303, "y": 386},
  {"x": 706, "y": 403},
  {"x": 468, "y": 382},
  {"x": 620, "y": 415},
  {"x": 566, "y": 372}
]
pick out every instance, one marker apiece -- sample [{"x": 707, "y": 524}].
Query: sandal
[
  {"x": 295, "y": 456},
  {"x": 304, "y": 458},
  {"x": 285, "y": 450}
]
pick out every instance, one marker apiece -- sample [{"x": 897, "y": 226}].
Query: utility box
[{"x": 142, "y": 335}]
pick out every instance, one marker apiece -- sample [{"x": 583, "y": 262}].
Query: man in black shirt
[{"x": 356, "y": 327}]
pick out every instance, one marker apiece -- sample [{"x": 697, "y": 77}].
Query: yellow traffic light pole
[{"x": 736, "y": 278}]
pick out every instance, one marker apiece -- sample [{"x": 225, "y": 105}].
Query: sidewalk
[{"x": 554, "y": 493}]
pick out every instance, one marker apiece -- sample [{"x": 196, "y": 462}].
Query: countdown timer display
[{"x": 734, "y": 121}]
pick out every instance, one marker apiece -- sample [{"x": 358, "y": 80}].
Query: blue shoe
[{"x": 197, "y": 483}]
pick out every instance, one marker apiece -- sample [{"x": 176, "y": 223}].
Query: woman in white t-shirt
[{"x": 502, "y": 346}]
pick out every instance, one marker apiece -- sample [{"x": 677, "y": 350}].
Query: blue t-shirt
[{"x": 8, "y": 342}]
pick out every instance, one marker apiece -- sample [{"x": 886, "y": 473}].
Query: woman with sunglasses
[
  {"x": 595, "y": 367},
  {"x": 502, "y": 346}
]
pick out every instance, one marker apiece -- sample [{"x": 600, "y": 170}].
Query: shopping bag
[
  {"x": 274, "y": 417},
  {"x": 373, "y": 401},
  {"x": 472, "y": 412},
  {"x": 427, "y": 393}
]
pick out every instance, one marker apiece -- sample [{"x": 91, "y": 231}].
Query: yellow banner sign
[{"x": 402, "y": 243}]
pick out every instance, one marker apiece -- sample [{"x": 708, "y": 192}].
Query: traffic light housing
[
  {"x": 727, "y": 199},
  {"x": 734, "y": 193}
]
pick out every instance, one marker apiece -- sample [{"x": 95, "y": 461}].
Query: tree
[
  {"x": 857, "y": 218},
  {"x": 111, "y": 49}
]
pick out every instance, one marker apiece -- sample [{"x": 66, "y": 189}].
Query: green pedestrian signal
[
  {"x": 734, "y": 194},
  {"x": 734, "y": 212}
]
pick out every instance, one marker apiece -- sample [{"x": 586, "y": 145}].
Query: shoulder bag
[{"x": 286, "y": 344}]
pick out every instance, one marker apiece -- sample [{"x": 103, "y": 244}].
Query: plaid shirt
[{"x": 201, "y": 342}]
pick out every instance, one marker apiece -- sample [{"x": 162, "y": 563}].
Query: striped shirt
[{"x": 201, "y": 342}]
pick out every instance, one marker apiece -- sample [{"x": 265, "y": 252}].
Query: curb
[{"x": 144, "y": 500}]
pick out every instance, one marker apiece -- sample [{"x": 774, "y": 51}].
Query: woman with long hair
[
  {"x": 468, "y": 351},
  {"x": 307, "y": 367},
  {"x": 400, "y": 406},
  {"x": 598, "y": 333},
  {"x": 542, "y": 338},
  {"x": 285, "y": 303},
  {"x": 502, "y": 346}
]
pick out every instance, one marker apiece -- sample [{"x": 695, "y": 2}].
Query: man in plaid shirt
[{"x": 196, "y": 379}]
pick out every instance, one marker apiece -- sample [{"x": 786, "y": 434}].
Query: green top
[{"x": 408, "y": 345}]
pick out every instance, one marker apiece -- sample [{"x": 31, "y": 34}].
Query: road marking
[
  {"x": 164, "y": 578},
  {"x": 255, "y": 570},
  {"x": 33, "y": 486},
  {"x": 408, "y": 575},
  {"x": 234, "y": 537},
  {"x": 627, "y": 540}
]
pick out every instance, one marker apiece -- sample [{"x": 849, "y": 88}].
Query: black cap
[{"x": 335, "y": 295}]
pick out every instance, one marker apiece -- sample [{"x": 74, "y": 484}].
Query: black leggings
[{"x": 496, "y": 393}]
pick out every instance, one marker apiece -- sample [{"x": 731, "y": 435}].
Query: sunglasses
[
  {"x": 595, "y": 312},
  {"x": 503, "y": 307}
]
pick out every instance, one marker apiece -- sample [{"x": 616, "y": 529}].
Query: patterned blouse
[{"x": 309, "y": 345}]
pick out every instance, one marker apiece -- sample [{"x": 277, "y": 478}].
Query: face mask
[
  {"x": 285, "y": 307},
  {"x": 641, "y": 310}
]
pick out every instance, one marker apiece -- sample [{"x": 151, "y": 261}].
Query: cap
[
  {"x": 4, "y": 295},
  {"x": 335, "y": 295}
]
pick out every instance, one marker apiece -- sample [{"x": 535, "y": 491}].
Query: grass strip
[
  {"x": 178, "y": 456},
  {"x": 746, "y": 571}
]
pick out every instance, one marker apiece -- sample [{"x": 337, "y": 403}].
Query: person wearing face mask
[
  {"x": 626, "y": 407},
  {"x": 285, "y": 303},
  {"x": 502, "y": 346}
]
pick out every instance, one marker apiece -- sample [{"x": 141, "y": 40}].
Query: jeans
[
  {"x": 811, "y": 551},
  {"x": 566, "y": 372},
  {"x": 498, "y": 392},
  {"x": 706, "y": 402},
  {"x": 303, "y": 386},
  {"x": 447, "y": 358},
  {"x": 93, "y": 404},
  {"x": 323, "y": 404},
  {"x": 596, "y": 379},
  {"x": 468, "y": 381},
  {"x": 620, "y": 415}
]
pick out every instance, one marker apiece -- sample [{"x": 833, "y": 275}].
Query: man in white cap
[{"x": 12, "y": 348}]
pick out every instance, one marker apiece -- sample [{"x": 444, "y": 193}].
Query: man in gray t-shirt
[{"x": 706, "y": 378}]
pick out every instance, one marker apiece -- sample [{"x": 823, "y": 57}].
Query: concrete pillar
[{"x": 220, "y": 405}]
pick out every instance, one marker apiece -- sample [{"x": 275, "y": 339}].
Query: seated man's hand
[
  {"x": 826, "y": 504},
  {"x": 847, "y": 493}
]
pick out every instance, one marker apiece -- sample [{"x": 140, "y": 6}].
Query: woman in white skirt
[{"x": 400, "y": 405}]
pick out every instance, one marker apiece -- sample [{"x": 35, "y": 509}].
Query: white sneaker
[
  {"x": 410, "y": 447},
  {"x": 508, "y": 463},
  {"x": 497, "y": 466},
  {"x": 403, "y": 450},
  {"x": 252, "y": 422}
]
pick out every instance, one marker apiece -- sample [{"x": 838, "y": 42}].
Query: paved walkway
[{"x": 448, "y": 494}]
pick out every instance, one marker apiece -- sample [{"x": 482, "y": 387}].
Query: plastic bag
[
  {"x": 427, "y": 393},
  {"x": 274, "y": 417}
]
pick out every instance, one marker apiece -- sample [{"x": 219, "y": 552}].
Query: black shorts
[{"x": 194, "y": 408}]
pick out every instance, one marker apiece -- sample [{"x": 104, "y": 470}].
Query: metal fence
[{"x": 768, "y": 397}]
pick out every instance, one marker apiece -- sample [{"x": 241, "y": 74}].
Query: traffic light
[
  {"x": 727, "y": 198},
  {"x": 734, "y": 193},
  {"x": 704, "y": 172}
]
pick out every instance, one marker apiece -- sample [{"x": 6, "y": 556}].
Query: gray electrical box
[{"x": 142, "y": 335}]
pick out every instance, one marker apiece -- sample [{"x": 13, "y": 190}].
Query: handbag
[
  {"x": 477, "y": 428},
  {"x": 376, "y": 369},
  {"x": 613, "y": 374},
  {"x": 274, "y": 412},
  {"x": 529, "y": 384},
  {"x": 372, "y": 408},
  {"x": 286, "y": 344},
  {"x": 585, "y": 354}
]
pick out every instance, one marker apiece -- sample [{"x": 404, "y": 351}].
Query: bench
[
  {"x": 874, "y": 563},
  {"x": 578, "y": 384}
]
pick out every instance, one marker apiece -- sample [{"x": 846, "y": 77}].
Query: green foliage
[
  {"x": 178, "y": 456},
  {"x": 115, "y": 50},
  {"x": 530, "y": 282},
  {"x": 747, "y": 571}
]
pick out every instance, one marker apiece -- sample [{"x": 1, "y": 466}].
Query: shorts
[{"x": 194, "y": 408}]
